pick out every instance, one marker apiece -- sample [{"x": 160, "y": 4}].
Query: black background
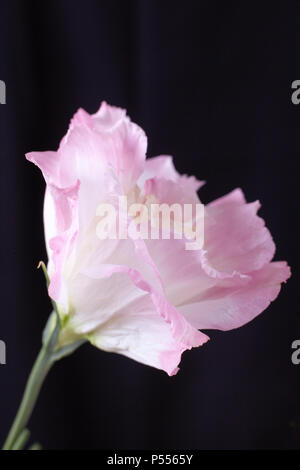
[{"x": 211, "y": 84}]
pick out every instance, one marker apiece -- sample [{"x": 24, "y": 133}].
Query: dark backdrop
[{"x": 211, "y": 84}]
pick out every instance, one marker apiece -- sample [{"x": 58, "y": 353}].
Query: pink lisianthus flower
[{"x": 147, "y": 299}]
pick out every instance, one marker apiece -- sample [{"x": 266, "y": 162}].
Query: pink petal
[
  {"x": 138, "y": 322},
  {"x": 106, "y": 138},
  {"x": 61, "y": 227},
  {"x": 160, "y": 167},
  {"x": 226, "y": 308},
  {"x": 48, "y": 162},
  {"x": 236, "y": 239},
  {"x": 161, "y": 179},
  {"x": 181, "y": 271},
  {"x": 108, "y": 117},
  {"x": 237, "y": 251}
]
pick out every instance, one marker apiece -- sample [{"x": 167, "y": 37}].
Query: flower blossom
[{"x": 147, "y": 299}]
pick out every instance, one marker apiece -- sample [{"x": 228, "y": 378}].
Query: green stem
[
  {"x": 21, "y": 441},
  {"x": 35, "y": 381}
]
